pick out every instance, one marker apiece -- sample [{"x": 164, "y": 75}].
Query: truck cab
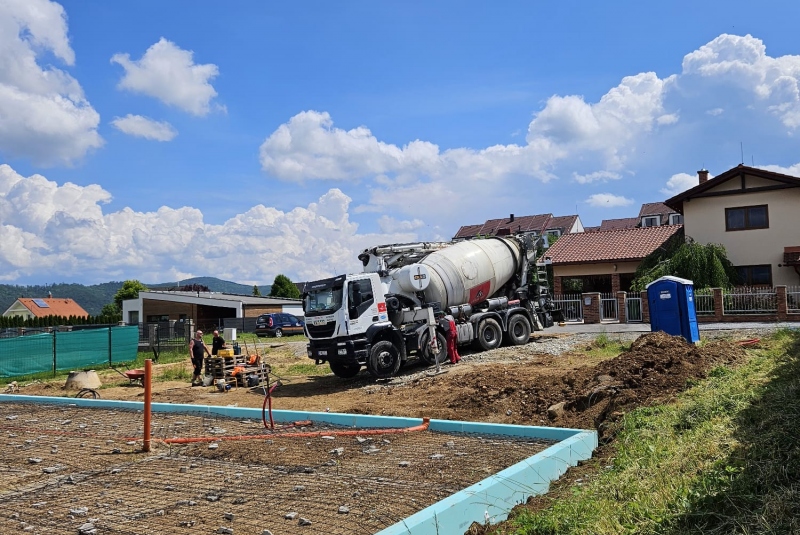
[{"x": 348, "y": 326}]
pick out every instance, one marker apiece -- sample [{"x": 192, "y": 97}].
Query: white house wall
[{"x": 705, "y": 222}]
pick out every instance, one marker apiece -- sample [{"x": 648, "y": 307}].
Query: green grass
[
  {"x": 605, "y": 347},
  {"x": 723, "y": 459},
  {"x": 304, "y": 369}
]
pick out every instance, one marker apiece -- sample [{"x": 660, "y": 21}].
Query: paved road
[{"x": 645, "y": 327}]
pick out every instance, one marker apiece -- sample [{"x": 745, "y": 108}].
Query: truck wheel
[
  {"x": 384, "y": 360},
  {"x": 519, "y": 330},
  {"x": 345, "y": 371},
  {"x": 489, "y": 334},
  {"x": 426, "y": 352}
]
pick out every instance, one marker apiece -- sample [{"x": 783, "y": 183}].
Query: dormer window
[
  {"x": 651, "y": 221},
  {"x": 675, "y": 219}
]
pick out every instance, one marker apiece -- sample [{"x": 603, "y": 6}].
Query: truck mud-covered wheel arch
[
  {"x": 345, "y": 371},
  {"x": 519, "y": 330},
  {"x": 490, "y": 335},
  {"x": 426, "y": 351},
  {"x": 384, "y": 360}
]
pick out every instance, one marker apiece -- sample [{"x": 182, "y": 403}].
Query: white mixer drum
[{"x": 470, "y": 271}]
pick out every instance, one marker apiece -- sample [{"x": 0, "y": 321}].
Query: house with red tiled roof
[
  {"x": 603, "y": 261},
  {"x": 654, "y": 214},
  {"x": 541, "y": 223},
  {"x": 48, "y": 306},
  {"x": 616, "y": 224}
]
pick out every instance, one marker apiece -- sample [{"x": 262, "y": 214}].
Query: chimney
[
  {"x": 511, "y": 218},
  {"x": 702, "y": 175}
]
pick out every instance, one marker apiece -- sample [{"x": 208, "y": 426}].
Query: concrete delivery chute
[{"x": 386, "y": 315}]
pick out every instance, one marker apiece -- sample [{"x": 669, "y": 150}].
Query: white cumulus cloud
[
  {"x": 742, "y": 62},
  {"x": 680, "y": 182},
  {"x": 139, "y": 126},
  {"x": 49, "y": 228},
  {"x": 45, "y": 115},
  {"x": 169, "y": 73},
  {"x": 608, "y": 200}
]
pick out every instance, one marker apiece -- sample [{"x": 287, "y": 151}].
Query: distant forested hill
[{"x": 93, "y": 298}]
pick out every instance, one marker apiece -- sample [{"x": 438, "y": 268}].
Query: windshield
[{"x": 324, "y": 301}]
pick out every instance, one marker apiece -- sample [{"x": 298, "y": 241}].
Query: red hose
[
  {"x": 750, "y": 342},
  {"x": 268, "y": 400}
]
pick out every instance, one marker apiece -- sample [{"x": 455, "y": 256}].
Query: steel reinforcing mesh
[{"x": 65, "y": 467}]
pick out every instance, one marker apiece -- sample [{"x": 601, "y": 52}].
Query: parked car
[{"x": 278, "y": 324}]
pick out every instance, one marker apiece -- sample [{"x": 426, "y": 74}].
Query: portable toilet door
[
  {"x": 665, "y": 314},
  {"x": 689, "y": 326},
  {"x": 672, "y": 308}
]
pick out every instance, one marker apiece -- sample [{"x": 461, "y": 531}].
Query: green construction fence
[{"x": 67, "y": 351}]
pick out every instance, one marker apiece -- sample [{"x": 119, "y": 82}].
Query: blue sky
[{"x": 165, "y": 140}]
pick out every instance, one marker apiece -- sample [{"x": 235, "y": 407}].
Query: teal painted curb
[{"x": 491, "y": 498}]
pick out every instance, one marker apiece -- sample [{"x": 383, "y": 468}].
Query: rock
[
  {"x": 228, "y": 516},
  {"x": 555, "y": 411},
  {"x": 213, "y": 446},
  {"x": 34, "y": 460},
  {"x": 304, "y": 522},
  {"x": 404, "y": 464},
  {"x": 437, "y": 456},
  {"x": 343, "y": 510},
  {"x": 225, "y": 531},
  {"x": 327, "y": 437},
  {"x": 186, "y": 524},
  {"x": 266, "y": 532},
  {"x": 290, "y": 516},
  {"x": 87, "y": 529},
  {"x": 299, "y": 488},
  {"x": 337, "y": 451},
  {"x": 450, "y": 444}
]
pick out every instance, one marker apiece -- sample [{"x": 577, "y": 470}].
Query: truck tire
[
  {"x": 519, "y": 330},
  {"x": 345, "y": 371},
  {"x": 384, "y": 360},
  {"x": 426, "y": 353},
  {"x": 489, "y": 334}
]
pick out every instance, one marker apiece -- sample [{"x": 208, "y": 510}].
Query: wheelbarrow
[{"x": 136, "y": 377}]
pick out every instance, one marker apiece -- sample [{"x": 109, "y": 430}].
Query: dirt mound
[{"x": 590, "y": 396}]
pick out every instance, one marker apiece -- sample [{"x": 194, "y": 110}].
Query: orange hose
[
  {"x": 309, "y": 434},
  {"x": 749, "y": 342}
]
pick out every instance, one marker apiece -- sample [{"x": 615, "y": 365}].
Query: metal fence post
[
  {"x": 109, "y": 346},
  {"x": 55, "y": 363}
]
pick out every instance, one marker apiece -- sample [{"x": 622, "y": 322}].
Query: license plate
[{"x": 324, "y": 353}]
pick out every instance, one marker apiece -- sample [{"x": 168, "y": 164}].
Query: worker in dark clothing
[
  {"x": 448, "y": 324},
  {"x": 217, "y": 343},
  {"x": 197, "y": 348}
]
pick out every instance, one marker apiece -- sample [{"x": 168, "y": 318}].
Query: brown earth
[
  {"x": 595, "y": 392},
  {"x": 517, "y": 385}
]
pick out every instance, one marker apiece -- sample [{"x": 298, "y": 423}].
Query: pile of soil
[{"x": 656, "y": 367}]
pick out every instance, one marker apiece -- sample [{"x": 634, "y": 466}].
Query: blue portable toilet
[{"x": 672, "y": 309}]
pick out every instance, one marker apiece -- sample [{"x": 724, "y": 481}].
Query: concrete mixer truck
[{"x": 387, "y": 315}]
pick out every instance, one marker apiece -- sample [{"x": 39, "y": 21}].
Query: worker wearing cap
[{"x": 196, "y": 349}]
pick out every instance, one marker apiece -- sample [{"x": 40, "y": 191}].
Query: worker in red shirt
[{"x": 448, "y": 324}]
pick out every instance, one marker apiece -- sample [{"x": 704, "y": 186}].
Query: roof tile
[
  {"x": 56, "y": 306},
  {"x": 609, "y": 246}
]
